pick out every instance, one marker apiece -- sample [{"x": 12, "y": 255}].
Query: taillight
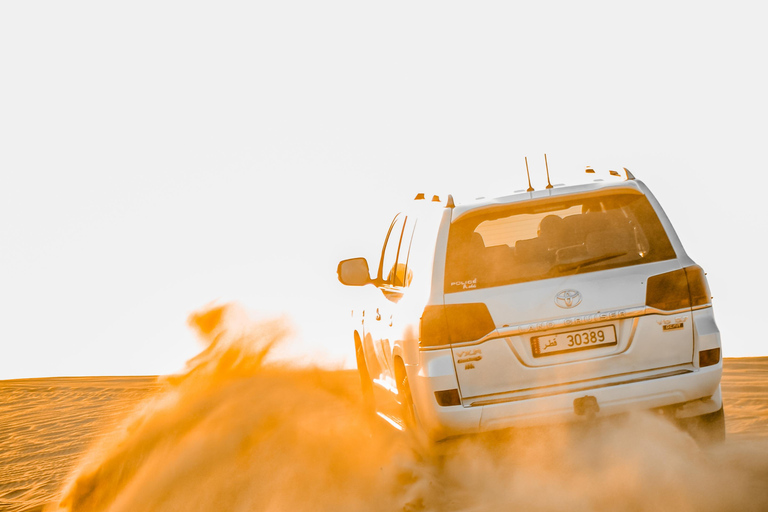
[
  {"x": 679, "y": 289},
  {"x": 709, "y": 357},
  {"x": 454, "y": 323},
  {"x": 697, "y": 285},
  {"x": 433, "y": 329},
  {"x": 448, "y": 397}
]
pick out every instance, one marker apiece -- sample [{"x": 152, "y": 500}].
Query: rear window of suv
[{"x": 544, "y": 239}]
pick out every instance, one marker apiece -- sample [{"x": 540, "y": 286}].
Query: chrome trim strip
[
  {"x": 651, "y": 372},
  {"x": 562, "y": 323},
  {"x": 673, "y": 373}
]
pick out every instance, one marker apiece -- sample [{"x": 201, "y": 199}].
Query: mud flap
[{"x": 586, "y": 406}]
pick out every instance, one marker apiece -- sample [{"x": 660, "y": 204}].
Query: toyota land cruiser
[{"x": 548, "y": 306}]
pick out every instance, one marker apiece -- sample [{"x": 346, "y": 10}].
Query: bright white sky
[{"x": 156, "y": 156}]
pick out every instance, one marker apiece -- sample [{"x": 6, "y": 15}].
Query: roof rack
[
  {"x": 435, "y": 199},
  {"x": 629, "y": 175}
]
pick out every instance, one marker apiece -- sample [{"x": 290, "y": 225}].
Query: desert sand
[
  {"x": 47, "y": 424},
  {"x": 236, "y": 433}
]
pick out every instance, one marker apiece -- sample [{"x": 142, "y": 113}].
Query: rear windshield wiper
[{"x": 575, "y": 265}]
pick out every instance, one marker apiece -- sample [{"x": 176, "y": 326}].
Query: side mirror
[{"x": 354, "y": 272}]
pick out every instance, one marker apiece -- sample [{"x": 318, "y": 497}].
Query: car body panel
[
  {"x": 503, "y": 364},
  {"x": 500, "y": 378}
]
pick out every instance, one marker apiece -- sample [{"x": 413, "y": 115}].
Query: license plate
[{"x": 573, "y": 340}]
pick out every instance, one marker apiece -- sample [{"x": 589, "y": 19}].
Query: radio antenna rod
[
  {"x": 530, "y": 188},
  {"x": 549, "y": 184}
]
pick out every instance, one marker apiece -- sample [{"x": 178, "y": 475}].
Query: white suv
[{"x": 541, "y": 307}]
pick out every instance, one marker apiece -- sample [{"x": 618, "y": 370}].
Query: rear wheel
[
  {"x": 707, "y": 429},
  {"x": 405, "y": 398}
]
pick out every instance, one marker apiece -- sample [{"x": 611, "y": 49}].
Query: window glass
[
  {"x": 519, "y": 243},
  {"x": 391, "y": 247},
  {"x": 394, "y": 267},
  {"x": 403, "y": 274}
]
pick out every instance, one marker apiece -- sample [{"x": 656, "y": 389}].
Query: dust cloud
[{"x": 239, "y": 432}]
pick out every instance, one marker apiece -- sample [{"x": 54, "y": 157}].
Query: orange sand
[
  {"x": 234, "y": 433},
  {"x": 47, "y": 424}
]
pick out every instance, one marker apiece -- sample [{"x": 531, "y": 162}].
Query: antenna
[
  {"x": 549, "y": 184},
  {"x": 530, "y": 188}
]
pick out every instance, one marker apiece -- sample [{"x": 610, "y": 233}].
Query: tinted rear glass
[{"x": 540, "y": 240}]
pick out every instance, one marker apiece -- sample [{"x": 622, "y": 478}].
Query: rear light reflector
[
  {"x": 433, "y": 329},
  {"x": 668, "y": 291},
  {"x": 454, "y": 323},
  {"x": 678, "y": 289},
  {"x": 709, "y": 357},
  {"x": 697, "y": 285},
  {"x": 447, "y": 398}
]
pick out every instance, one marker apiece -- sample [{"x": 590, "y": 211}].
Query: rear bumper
[{"x": 692, "y": 393}]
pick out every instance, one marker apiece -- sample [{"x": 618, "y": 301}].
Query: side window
[
  {"x": 404, "y": 272},
  {"x": 394, "y": 267},
  {"x": 391, "y": 248}
]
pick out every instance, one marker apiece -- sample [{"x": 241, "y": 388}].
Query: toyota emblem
[{"x": 568, "y": 299}]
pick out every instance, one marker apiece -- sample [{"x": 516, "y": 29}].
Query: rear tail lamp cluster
[
  {"x": 454, "y": 323},
  {"x": 709, "y": 357},
  {"x": 679, "y": 289},
  {"x": 448, "y": 397}
]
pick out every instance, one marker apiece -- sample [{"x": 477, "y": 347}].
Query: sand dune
[
  {"x": 745, "y": 391},
  {"x": 47, "y": 424},
  {"x": 236, "y": 434}
]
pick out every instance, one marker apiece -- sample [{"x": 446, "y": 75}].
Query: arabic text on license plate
[{"x": 573, "y": 340}]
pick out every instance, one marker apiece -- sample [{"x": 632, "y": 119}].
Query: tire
[
  {"x": 707, "y": 429},
  {"x": 406, "y": 402}
]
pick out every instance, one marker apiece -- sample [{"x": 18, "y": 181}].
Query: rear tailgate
[{"x": 570, "y": 331}]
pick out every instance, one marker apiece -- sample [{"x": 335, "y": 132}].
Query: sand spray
[{"x": 238, "y": 432}]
